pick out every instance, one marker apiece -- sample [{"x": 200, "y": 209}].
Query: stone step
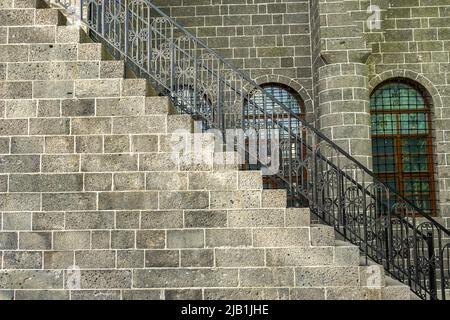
[
  {"x": 395, "y": 290},
  {"x": 322, "y": 235},
  {"x": 67, "y": 89},
  {"x": 52, "y": 52},
  {"x": 346, "y": 254},
  {"x": 31, "y": 17},
  {"x": 64, "y": 70},
  {"x": 32, "y": 4},
  {"x": 42, "y": 35}
]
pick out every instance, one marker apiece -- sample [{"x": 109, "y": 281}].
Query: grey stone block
[
  {"x": 97, "y": 88},
  {"x": 17, "y": 221},
  {"x": 162, "y": 219},
  {"x": 89, "y": 144},
  {"x": 326, "y": 276},
  {"x": 250, "y": 180},
  {"x": 185, "y": 239},
  {"x": 108, "y": 163},
  {"x": 307, "y": 294},
  {"x": 3, "y": 183},
  {"x": 16, "y": 90},
  {"x": 185, "y": 278},
  {"x": 69, "y": 201},
  {"x": 130, "y": 259},
  {"x": 239, "y": 257},
  {"x": 166, "y": 181},
  {"x": 32, "y": 34},
  {"x": 205, "y": 219},
  {"x": 105, "y": 279},
  {"x": 125, "y": 106},
  {"x": 197, "y": 258},
  {"x": 52, "y": 89},
  {"x": 49, "y": 108},
  {"x": 68, "y": 34},
  {"x": 140, "y": 125},
  {"x": 8, "y": 240},
  {"x": 162, "y": 258},
  {"x": 26, "y": 163},
  {"x": 142, "y": 295},
  {"x": 45, "y": 183},
  {"x": 81, "y": 126},
  {"x": 247, "y": 294},
  {"x": 144, "y": 143},
  {"x": 100, "y": 240},
  {"x": 183, "y": 200},
  {"x": 35, "y": 241},
  {"x": 6, "y": 295},
  {"x": 31, "y": 279},
  {"x": 58, "y": 259},
  {"x": 13, "y": 127},
  {"x": 52, "y": 52},
  {"x": 213, "y": 181},
  {"x": 21, "y": 109},
  {"x": 158, "y": 162},
  {"x": 98, "y": 181},
  {"x": 127, "y": 219},
  {"x": 228, "y": 238},
  {"x": 42, "y": 295},
  {"x": 22, "y": 260},
  {"x": 117, "y": 144},
  {"x": 27, "y": 145},
  {"x": 95, "y": 259},
  {"x": 19, "y": 202},
  {"x": 61, "y": 163},
  {"x": 297, "y": 217},
  {"x": 95, "y": 294},
  {"x": 89, "y": 220},
  {"x": 4, "y": 145},
  {"x": 150, "y": 239},
  {"x": 183, "y": 294},
  {"x": 266, "y": 277},
  {"x": 256, "y": 218},
  {"x": 59, "y": 145},
  {"x": 129, "y": 181},
  {"x": 48, "y": 220},
  {"x": 123, "y": 239},
  {"x": 322, "y": 235},
  {"x": 279, "y": 237},
  {"x": 71, "y": 240},
  {"x": 78, "y": 107},
  {"x": 235, "y": 199},
  {"x": 300, "y": 256},
  {"x": 158, "y": 105},
  {"x": 49, "y": 126},
  {"x": 127, "y": 200},
  {"x": 13, "y": 53}
]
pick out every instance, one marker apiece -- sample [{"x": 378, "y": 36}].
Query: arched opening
[
  {"x": 402, "y": 140},
  {"x": 263, "y": 113}
]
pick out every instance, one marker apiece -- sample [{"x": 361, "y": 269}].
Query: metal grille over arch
[
  {"x": 255, "y": 117},
  {"x": 402, "y": 140}
]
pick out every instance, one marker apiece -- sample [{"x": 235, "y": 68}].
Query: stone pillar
[{"x": 344, "y": 110}]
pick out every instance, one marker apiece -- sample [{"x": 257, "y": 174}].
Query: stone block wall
[{"x": 268, "y": 39}]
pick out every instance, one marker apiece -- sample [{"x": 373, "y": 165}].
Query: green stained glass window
[{"x": 402, "y": 140}]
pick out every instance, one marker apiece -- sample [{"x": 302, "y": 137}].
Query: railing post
[{"x": 432, "y": 266}]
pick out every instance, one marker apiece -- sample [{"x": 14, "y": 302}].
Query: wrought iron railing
[{"x": 411, "y": 245}]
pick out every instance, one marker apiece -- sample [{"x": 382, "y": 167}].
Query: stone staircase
[{"x": 97, "y": 203}]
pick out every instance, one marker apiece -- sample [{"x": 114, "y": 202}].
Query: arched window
[
  {"x": 263, "y": 112},
  {"x": 402, "y": 140}
]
